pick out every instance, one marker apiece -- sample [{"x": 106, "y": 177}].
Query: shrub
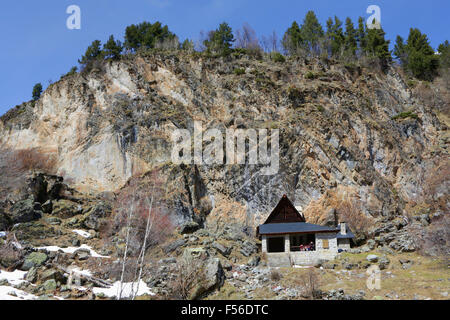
[
  {"x": 310, "y": 75},
  {"x": 239, "y": 71},
  {"x": 275, "y": 275},
  {"x": 34, "y": 159},
  {"x": 310, "y": 283},
  {"x": 277, "y": 57},
  {"x": 404, "y": 115}
]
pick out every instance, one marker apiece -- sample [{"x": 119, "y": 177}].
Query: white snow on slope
[
  {"x": 14, "y": 278},
  {"x": 73, "y": 249},
  {"x": 20, "y": 295},
  {"x": 127, "y": 288},
  {"x": 82, "y": 233}
]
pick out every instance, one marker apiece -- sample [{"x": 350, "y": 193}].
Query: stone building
[{"x": 287, "y": 239}]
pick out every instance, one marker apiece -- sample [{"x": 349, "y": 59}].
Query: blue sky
[{"x": 38, "y": 47}]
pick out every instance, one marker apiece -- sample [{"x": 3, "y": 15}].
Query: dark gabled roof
[
  {"x": 284, "y": 212},
  {"x": 293, "y": 227},
  {"x": 349, "y": 234}
]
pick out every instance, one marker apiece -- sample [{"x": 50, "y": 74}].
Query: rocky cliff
[{"x": 354, "y": 142}]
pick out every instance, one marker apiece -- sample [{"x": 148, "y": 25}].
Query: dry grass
[
  {"x": 348, "y": 208},
  {"x": 34, "y": 159}
]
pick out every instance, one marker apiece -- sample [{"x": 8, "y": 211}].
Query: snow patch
[
  {"x": 73, "y": 249},
  {"x": 18, "y": 294},
  {"x": 15, "y": 278},
  {"x": 82, "y": 233},
  {"x": 127, "y": 289}
]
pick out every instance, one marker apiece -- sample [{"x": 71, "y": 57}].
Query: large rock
[
  {"x": 66, "y": 208},
  {"x": 403, "y": 243},
  {"x": 92, "y": 219},
  {"x": 50, "y": 285},
  {"x": 52, "y": 274},
  {"x": 25, "y": 211},
  {"x": 34, "y": 259},
  {"x": 189, "y": 227},
  {"x": 372, "y": 258},
  {"x": 223, "y": 250},
  {"x": 174, "y": 245},
  {"x": 248, "y": 248},
  {"x": 82, "y": 254},
  {"x": 212, "y": 277}
]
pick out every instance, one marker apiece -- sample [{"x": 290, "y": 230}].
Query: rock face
[{"x": 343, "y": 143}]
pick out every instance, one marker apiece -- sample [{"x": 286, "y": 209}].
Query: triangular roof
[{"x": 285, "y": 212}]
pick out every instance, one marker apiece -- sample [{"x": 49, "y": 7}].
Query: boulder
[
  {"x": 50, "y": 285},
  {"x": 32, "y": 275},
  {"x": 223, "y": 250},
  {"x": 248, "y": 248},
  {"x": 25, "y": 211},
  {"x": 174, "y": 245},
  {"x": 213, "y": 278},
  {"x": 52, "y": 274},
  {"x": 82, "y": 254},
  {"x": 371, "y": 244},
  {"x": 383, "y": 263},
  {"x": 189, "y": 227},
  {"x": 254, "y": 261},
  {"x": 66, "y": 208},
  {"x": 34, "y": 259},
  {"x": 191, "y": 254},
  {"x": 403, "y": 243},
  {"x": 372, "y": 258},
  {"x": 92, "y": 219}
]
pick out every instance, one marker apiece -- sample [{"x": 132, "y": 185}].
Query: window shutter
[{"x": 325, "y": 244}]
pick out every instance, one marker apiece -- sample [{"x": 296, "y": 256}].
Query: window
[{"x": 325, "y": 244}]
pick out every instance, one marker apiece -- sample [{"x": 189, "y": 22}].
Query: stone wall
[
  {"x": 344, "y": 244},
  {"x": 310, "y": 258},
  {"x": 332, "y": 241}
]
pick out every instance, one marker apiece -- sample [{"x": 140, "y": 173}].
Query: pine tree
[
  {"x": 400, "y": 51},
  {"x": 37, "y": 90},
  {"x": 350, "y": 38},
  {"x": 292, "y": 39},
  {"x": 311, "y": 32},
  {"x": 93, "y": 52},
  {"x": 444, "y": 55},
  {"x": 421, "y": 60},
  {"x": 112, "y": 49},
  {"x": 378, "y": 47},
  {"x": 362, "y": 36},
  {"x": 220, "y": 40},
  {"x": 146, "y": 35},
  {"x": 335, "y": 36},
  {"x": 187, "y": 45}
]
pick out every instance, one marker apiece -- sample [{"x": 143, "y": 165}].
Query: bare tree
[
  {"x": 246, "y": 38},
  {"x": 143, "y": 212},
  {"x": 270, "y": 43}
]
